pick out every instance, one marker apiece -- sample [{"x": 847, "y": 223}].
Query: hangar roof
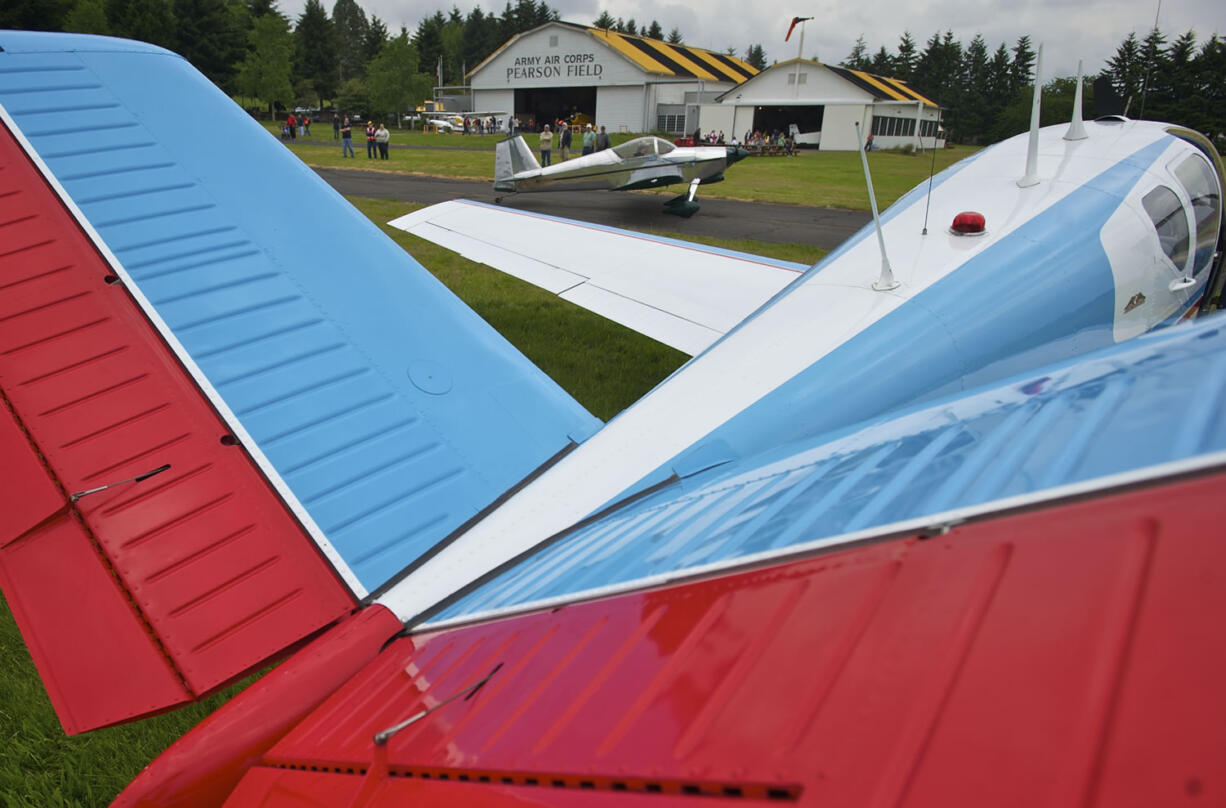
[
  {"x": 655, "y": 55},
  {"x": 881, "y": 88}
]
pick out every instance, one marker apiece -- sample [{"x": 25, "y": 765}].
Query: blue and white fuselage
[{"x": 1076, "y": 262}]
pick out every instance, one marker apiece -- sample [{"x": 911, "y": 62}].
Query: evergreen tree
[
  {"x": 87, "y": 17},
  {"x": 755, "y": 56},
  {"x": 1126, "y": 70},
  {"x": 631, "y": 27},
  {"x": 654, "y": 31},
  {"x": 267, "y": 67},
  {"x": 605, "y": 21},
  {"x": 882, "y": 63},
  {"x": 453, "y": 52},
  {"x": 998, "y": 87},
  {"x": 904, "y": 61},
  {"x": 146, "y": 20},
  {"x": 858, "y": 58},
  {"x": 1021, "y": 69},
  {"x": 349, "y": 22},
  {"x": 429, "y": 40},
  {"x": 674, "y": 37},
  {"x": 971, "y": 100},
  {"x": 376, "y": 36},
  {"x": 620, "y": 26},
  {"x": 394, "y": 80},
  {"x": 258, "y": 8},
  {"x": 315, "y": 55},
  {"x": 35, "y": 15},
  {"x": 1153, "y": 58},
  {"x": 211, "y": 37}
]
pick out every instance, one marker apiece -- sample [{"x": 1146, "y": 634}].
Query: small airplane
[
  {"x": 454, "y": 121},
  {"x": 644, "y": 162},
  {"x": 892, "y": 523}
]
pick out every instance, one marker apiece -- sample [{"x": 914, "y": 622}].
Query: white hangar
[
  {"x": 620, "y": 81},
  {"x": 824, "y": 102}
]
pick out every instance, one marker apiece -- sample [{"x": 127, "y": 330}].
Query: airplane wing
[
  {"x": 682, "y": 294},
  {"x": 917, "y": 657}
]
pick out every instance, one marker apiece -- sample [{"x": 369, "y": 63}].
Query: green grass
[
  {"x": 605, "y": 366},
  {"x": 820, "y": 179}
]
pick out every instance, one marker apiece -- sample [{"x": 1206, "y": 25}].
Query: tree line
[{"x": 985, "y": 95}]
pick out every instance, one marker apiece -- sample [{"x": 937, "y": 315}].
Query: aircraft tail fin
[
  {"x": 511, "y": 157},
  {"x": 214, "y": 444}
]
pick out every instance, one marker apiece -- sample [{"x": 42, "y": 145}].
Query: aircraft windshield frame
[{"x": 642, "y": 147}]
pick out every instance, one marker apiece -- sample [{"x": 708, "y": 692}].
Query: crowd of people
[{"x": 589, "y": 141}]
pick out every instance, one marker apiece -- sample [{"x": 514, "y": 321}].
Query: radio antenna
[
  {"x": 1031, "y": 177},
  {"x": 931, "y": 171},
  {"x": 1148, "y": 68},
  {"x": 1076, "y": 128},
  {"x": 886, "y": 282}
]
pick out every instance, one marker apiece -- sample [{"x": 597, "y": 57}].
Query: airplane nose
[{"x": 736, "y": 153}]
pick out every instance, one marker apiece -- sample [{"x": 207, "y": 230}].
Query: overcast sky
[{"x": 1089, "y": 30}]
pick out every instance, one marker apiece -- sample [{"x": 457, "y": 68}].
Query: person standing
[
  {"x": 564, "y": 141},
  {"x": 382, "y": 136},
  {"x": 306, "y": 125},
  {"x": 370, "y": 141},
  {"x": 589, "y": 140},
  {"x": 336, "y": 126},
  {"x": 292, "y": 123},
  {"x": 602, "y": 140},
  {"x": 546, "y": 146},
  {"x": 347, "y": 139}
]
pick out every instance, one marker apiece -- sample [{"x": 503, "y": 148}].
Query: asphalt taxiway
[{"x": 719, "y": 218}]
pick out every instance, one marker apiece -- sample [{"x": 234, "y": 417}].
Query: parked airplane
[
  {"x": 644, "y": 162},
  {"x": 871, "y": 545}
]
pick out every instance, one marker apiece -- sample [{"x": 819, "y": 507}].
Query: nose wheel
[{"x": 684, "y": 205}]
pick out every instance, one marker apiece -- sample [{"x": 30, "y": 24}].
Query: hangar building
[
  {"x": 620, "y": 81},
  {"x": 824, "y": 102}
]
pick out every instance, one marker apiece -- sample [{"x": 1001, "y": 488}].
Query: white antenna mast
[
  {"x": 1076, "y": 129},
  {"x": 886, "y": 282},
  {"x": 1031, "y": 177}
]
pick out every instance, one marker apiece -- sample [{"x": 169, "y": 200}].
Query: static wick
[
  {"x": 386, "y": 735},
  {"x": 136, "y": 479},
  {"x": 886, "y": 282}
]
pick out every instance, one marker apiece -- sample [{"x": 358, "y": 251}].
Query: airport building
[
  {"x": 623, "y": 82},
  {"x": 824, "y": 102}
]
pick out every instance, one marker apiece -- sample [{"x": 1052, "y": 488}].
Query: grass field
[
  {"x": 816, "y": 178},
  {"x": 606, "y": 367}
]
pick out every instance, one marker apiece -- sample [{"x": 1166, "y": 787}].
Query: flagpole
[{"x": 800, "y": 50}]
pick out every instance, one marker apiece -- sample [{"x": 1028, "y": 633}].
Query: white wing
[{"x": 684, "y": 295}]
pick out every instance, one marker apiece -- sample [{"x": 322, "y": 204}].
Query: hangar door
[
  {"x": 807, "y": 119},
  {"x": 550, "y": 104}
]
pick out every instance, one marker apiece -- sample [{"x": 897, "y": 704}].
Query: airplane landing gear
[{"x": 684, "y": 205}]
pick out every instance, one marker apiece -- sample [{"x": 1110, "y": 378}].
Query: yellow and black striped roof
[
  {"x": 880, "y": 87},
  {"x": 682, "y": 61},
  {"x": 657, "y": 56}
]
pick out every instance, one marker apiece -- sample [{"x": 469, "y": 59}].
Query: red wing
[{"x": 148, "y": 595}]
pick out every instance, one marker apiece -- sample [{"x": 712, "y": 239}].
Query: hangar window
[
  {"x": 893, "y": 127},
  {"x": 1170, "y": 221},
  {"x": 802, "y": 78},
  {"x": 553, "y": 40},
  {"x": 1198, "y": 180},
  {"x": 671, "y": 123}
]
